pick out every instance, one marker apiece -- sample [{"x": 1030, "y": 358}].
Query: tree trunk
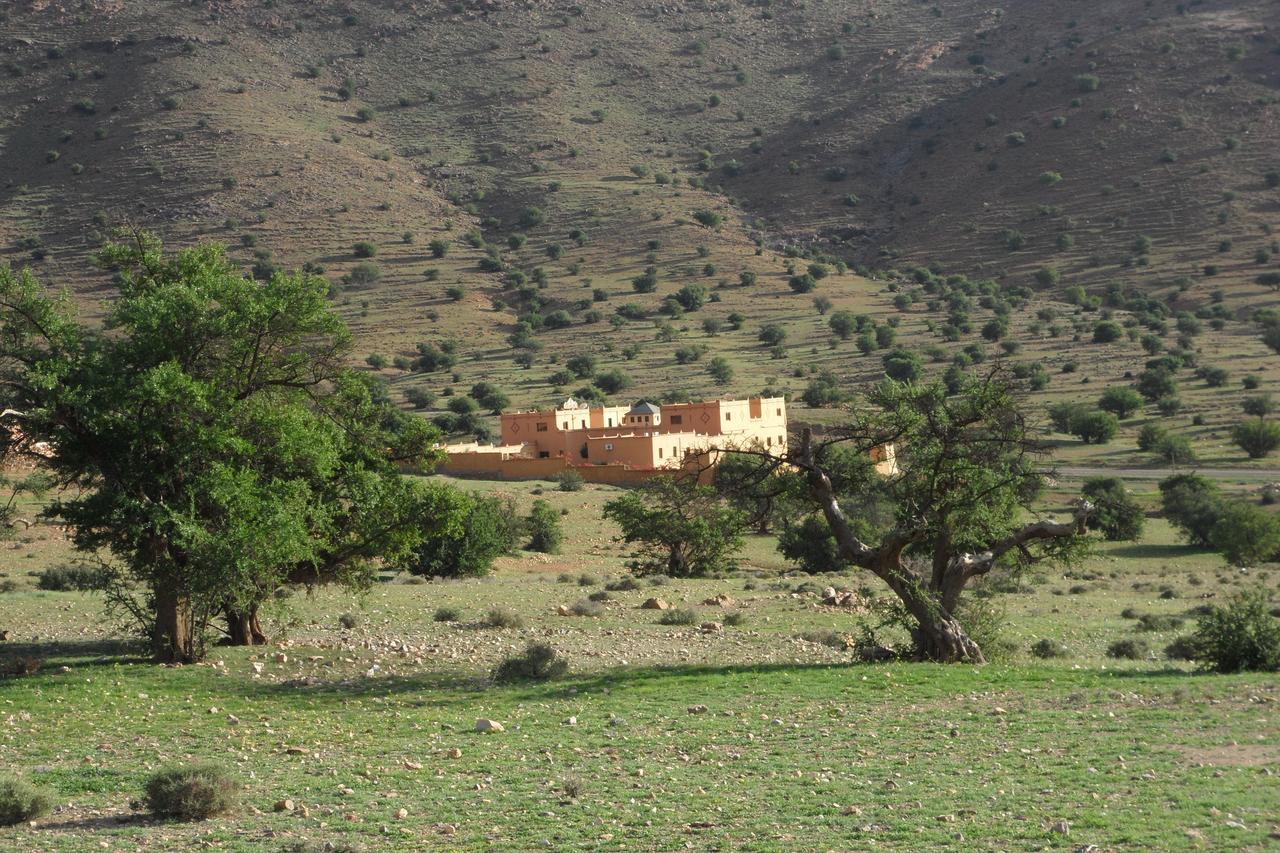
[
  {"x": 941, "y": 638},
  {"x": 173, "y": 635},
  {"x": 244, "y": 628}
]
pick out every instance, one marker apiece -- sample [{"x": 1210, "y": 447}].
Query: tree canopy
[{"x": 210, "y": 440}]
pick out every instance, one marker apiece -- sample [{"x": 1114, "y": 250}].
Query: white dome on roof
[{"x": 569, "y": 404}]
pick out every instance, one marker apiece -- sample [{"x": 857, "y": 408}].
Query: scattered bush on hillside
[
  {"x": 21, "y": 801},
  {"x": 1245, "y": 534},
  {"x": 74, "y": 577},
  {"x": 1258, "y": 438},
  {"x": 1047, "y": 648},
  {"x": 543, "y": 526},
  {"x": 538, "y": 662},
  {"x": 1131, "y": 649},
  {"x": 194, "y": 792},
  {"x": 1116, "y": 513},
  {"x": 503, "y": 617},
  {"x": 679, "y": 616},
  {"x": 1243, "y": 636}
]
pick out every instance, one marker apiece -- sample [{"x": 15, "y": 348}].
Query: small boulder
[
  {"x": 721, "y": 600},
  {"x": 485, "y": 725},
  {"x": 697, "y": 709},
  {"x": 712, "y": 628},
  {"x": 284, "y": 806},
  {"x": 563, "y": 610},
  {"x": 655, "y": 604}
]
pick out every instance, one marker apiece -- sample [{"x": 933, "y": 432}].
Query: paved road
[{"x": 1252, "y": 475}]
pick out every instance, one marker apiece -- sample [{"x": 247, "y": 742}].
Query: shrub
[
  {"x": 194, "y": 792},
  {"x": 570, "y": 481},
  {"x": 903, "y": 365},
  {"x": 1097, "y": 427},
  {"x": 503, "y": 617},
  {"x": 1245, "y": 534},
  {"x": 489, "y": 528},
  {"x": 1175, "y": 449},
  {"x": 365, "y": 114},
  {"x": 831, "y": 639},
  {"x": 1119, "y": 401},
  {"x": 447, "y": 614},
  {"x": 543, "y": 525},
  {"x": 1243, "y": 636},
  {"x": 1047, "y": 648},
  {"x": 1182, "y": 648},
  {"x": 1116, "y": 513},
  {"x": 538, "y": 662},
  {"x": 1131, "y": 649},
  {"x": 1159, "y": 622},
  {"x": 586, "y": 607},
  {"x": 626, "y": 584},
  {"x": 350, "y": 621},
  {"x": 1107, "y": 331},
  {"x": 708, "y": 218},
  {"x": 77, "y": 577},
  {"x": 679, "y": 616},
  {"x": 1258, "y": 438},
  {"x": 20, "y": 801},
  {"x": 1192, "y": 504},
  {"x": 1150, "y": 436}
]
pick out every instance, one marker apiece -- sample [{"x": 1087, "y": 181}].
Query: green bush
[
  {"x": 1131, "y": 649},
  {"x": 1243, "y": 636},
  {"x": 679, "y": 616},
  {"x": 195, "y": 792},
  {"x": 1116, "y": 513},
  {"x": 570, "y": 481},
  {"x": 1119, "y": 401},
  {"x": 1245, "y": 534},
  {"x": 447, "y": 614},
  {"x": 538, "y": 662},
  {"x": 503, "y": 617},
  {"x": 1096, "y": 427},
  {"x": 76, "y": 577},
  {"x": 1258, "y": 438},
  {"x": 20, "y": 801},
  {"x": 1192, "y": 504},
  {"x": 1159, "y": 622},
  {"x": 1047, "y": 648},
  {"x": 586, "y": 607},
  {"x": 543, "y": 526},
  {"x": 488, "y": 529}
]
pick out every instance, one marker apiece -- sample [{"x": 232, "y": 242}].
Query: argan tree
[
  {"x": 961, "y": 497},
  {"x": 210, "y": 439},
  {"x": 682, "y": 529}
]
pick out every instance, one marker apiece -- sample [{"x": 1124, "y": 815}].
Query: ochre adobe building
[{"x": 621, "y": 444}]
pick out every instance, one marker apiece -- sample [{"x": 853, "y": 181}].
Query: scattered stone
[
  {"x": 412, "y": 765},
  {"x": 4, "y": 635},
  {"x": 955, "y": 733},
  {"x": 297, "y": 750},
  {"x": 1060, "y": 827},
  {"x": 697, "y": 709},
  {"x": 563, "y": 610},
  {"x": 401, "y": 814},
  {"x": 998, "y": 711},
  {"x": 572, "y": 721},
  {"x": 712, "y": 628},
  {"x": 851, "y": 810},
  {"x": 284, "y": 806},
  {"x": 721, "y": 600},
  {"x": 655, "y": 604},
  {"x": 484, "y": 725},
  {"x": 454, "y": 752},
  {"x": 257, "y": 667},
  {"x": 303, "y": 811},
  {"x": 281, "y": 657}
]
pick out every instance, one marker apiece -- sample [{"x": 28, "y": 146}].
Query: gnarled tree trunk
[
  {"x": 244, "y": 628},
  {"x": 173, "y": 635}
]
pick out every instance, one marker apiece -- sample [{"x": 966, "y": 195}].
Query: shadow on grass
[
  {"x": 102, "y": 652},
  {"x": 1156, "y": 552}
]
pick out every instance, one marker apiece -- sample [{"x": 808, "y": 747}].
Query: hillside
[{"x": 531, "y": 160}]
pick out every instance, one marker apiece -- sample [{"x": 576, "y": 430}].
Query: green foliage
[
  {"x": 538, "y": 662},
  {"x": 569, "y": 480},
  {"x": 1150, "y": 436},
  {"x": 1046, "y": 649},
  {"x": 720, "y": 370},
  {"x": 709, "y": 218},
  {"x": 1258, "y": 438},
  {"x": 811, "y": 546},
  {"x": 192, "y": 792},
  {"x": 1119, "y": 401},
  {"x": 682, "y": 529},
  {"x": 679, "y": 616},
  {"x": 1156, "y": 383},
  {"x": 1129, "y": 649},
  {"x": 772, "y": 334},
  {"x": 543, "y": 526},
  {"x": 229, "y": 404},
  {"x": 1245, "y": 534},
  {"x": 903, "y": 365},
  {"x": 1192, "y": 504},
  {"x": 1096, "y": 427},
  {"x": 79, "y": 577},
  {"x": 1116, "y": 513},
  {"x": 612, "y": 381},
  {"x": 503, "y": 617},
  {"x": 1241, "y": 637},
  {"x": 480, "y": 530},
  {"x": 1107, "y": 332},
  {"x": 21, "y": 801}
]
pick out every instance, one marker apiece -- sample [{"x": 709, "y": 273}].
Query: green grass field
[{"x": 745, "y": 738}]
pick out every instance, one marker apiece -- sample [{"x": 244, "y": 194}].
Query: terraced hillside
[{"x": 576, "y": 167}]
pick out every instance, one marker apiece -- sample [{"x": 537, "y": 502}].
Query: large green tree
[
  {"x": 682, "y": 529},
  {"x": 966, "y": 478},
  {"x": 210, "y": 441}
]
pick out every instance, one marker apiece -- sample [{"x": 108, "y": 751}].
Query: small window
[
  {"x": 769, "y": 441},
  {"x": 728, "y": 416},
  {"x": 608, "y": 447},
  {"x": 779, "y": 412},
  {"x": 544, "y": 454},
  {"x": 659, "y": 452},
  {"x": 610, "y": 422},
  {"x": 677, "y": 419},
  {"x": 542, "y": 427}
]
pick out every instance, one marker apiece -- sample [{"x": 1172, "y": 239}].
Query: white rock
[{"x": 484, "y": 725}]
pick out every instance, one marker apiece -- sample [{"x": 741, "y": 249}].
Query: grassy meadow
[{"x": 763, "y": 734}]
